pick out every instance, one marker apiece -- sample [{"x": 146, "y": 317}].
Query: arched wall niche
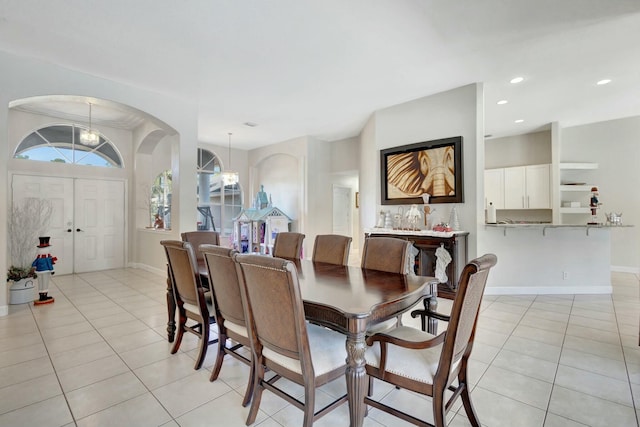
[{"x": 280, "y": 174}]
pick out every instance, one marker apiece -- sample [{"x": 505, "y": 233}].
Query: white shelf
[
  {"x": 578, "y": 166},
  {"x": 586, "y": 187},
  {"x": 581, "y": 210}
]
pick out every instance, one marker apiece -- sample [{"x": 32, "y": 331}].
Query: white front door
[
  {"x": 87, "y": 224},
  {"x": 99, "y": 225},
  {"x": 341, "y": 210}
]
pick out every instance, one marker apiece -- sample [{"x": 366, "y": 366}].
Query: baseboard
[
  {"x": 145, "y": 267},
  {"x": 4, "y": 310},
  {"x": 623, "y": 269},
  {"x": 547, "y": 290}
]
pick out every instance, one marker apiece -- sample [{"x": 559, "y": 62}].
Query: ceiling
[{"x": 322, "y": 67}]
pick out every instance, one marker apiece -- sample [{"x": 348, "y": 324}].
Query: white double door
[{"x": 87, "y": 225}]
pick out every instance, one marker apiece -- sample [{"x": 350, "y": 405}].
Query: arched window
[
  {"x": 220, "y": 204},
  {"x": 62, "y": 143}
]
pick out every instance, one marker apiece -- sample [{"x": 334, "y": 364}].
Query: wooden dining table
[{"x": 350, "y": 300}]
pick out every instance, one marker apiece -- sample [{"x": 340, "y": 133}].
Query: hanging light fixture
[
  {"x": 229, "y": 177},
  {"x": 90, "y": 137}
]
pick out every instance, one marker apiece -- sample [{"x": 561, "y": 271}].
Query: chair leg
[
  {"x": 204, "y": 343},
  {"x": 466, "y": 398},
  {"x": 309, "y": 405},
  {"x": 248, "y": 394},
  {"x": 258, "y": 389},
  {"x": 222, "y": 341},
  {"x": 182, "y": 320},
  {"x": 439, "y": 414}
]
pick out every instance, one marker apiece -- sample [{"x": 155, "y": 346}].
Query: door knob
[
  {"x": 78, "y": 229},
  {"x": 69, "y": 230}
]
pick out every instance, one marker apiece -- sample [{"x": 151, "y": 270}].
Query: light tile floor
[{"x": 99, "y": 356}]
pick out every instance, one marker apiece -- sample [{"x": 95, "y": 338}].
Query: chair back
[
  {"x": 183, "y": 270},
  {"x": 197, "y": 238},
  {"x": 332, "y": 249},
  {"x": 464, "y": 314},
  {"x": 288, "y": 245},
  {"x": 386, "y": 254},
  {"x": 223, "y": 278},
  {"x": 274, "y": 308}
]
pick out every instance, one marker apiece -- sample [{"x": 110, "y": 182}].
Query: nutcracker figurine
[{"x": 44, "y": 267}]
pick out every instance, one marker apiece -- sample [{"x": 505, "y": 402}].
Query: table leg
[
  {"x": 171, "y": 310},
  {"x": 356, "y": 378},
  {"x": 432, "y": 326}
]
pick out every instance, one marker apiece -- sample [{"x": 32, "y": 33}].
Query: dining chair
[
  {"x": 197, "y": 238},
  {"x": 288, "y": 245},
  {"x": 388, "y": 254},
  {"x": 193, "y": 301},
  {"x": 229, "y": 312},
  {"x": 332, "y": 249},
  {"x": 409, "y": 358},
  {"x": 282, "y": 341}
]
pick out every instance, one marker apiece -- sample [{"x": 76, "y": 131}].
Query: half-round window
[{"x": 63, "y": 144}]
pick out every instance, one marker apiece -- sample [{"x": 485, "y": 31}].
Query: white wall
[
  {"x": 615, "y": 146},
  {"x": 457, "y": 112},
  {"x": 518, "y": 150}
]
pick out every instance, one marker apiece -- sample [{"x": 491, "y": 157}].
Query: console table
[{"x": 426, "y": 242}]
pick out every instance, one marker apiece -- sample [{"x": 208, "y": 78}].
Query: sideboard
[{"x": 427, "y": 242}]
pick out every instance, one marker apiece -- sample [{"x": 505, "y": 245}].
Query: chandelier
[
  {"x": 230, "y": 177},
  {"x": 90, "y": 137}
]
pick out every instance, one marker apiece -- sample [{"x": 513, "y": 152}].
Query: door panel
[
  {"x": 60, "y": 192},
  {"x": 341, "y": 210},
  {"x": 100, "y": 219}
]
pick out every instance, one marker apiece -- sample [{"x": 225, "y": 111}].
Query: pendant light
[
  {"x": 229, "y": 177},
  {"x": 90, "y": 137}
]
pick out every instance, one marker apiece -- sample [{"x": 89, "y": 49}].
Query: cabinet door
[
  {"x": 494, "y": 188},
  {"x": 514, "y": 185},
  {"x": 538, "y": 194}
]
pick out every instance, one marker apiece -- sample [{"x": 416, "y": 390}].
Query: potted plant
[{"x": 29, "y": 220}]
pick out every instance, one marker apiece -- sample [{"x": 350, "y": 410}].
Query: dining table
[{"x": 350, "y": 300}]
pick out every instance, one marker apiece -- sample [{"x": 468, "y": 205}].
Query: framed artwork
[{"x": 431, "y": 167}]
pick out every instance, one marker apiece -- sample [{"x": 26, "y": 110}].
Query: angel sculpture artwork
[
  {"x": 443, "y": 258},
  {"x": 413, "y": 215}
]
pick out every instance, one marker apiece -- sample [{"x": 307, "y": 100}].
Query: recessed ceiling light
[
  {"x": 502, "y": 102},
  {"x": 250, "y": 124},
  {"x": 518, "y": 121},
  {"x": 603, "y": 82},
  {"x": 517, "y": 79}
]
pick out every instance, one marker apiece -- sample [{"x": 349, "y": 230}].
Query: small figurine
[
  {"x": 44, "y": 267},
  {"x": 412, "y": 216},
  {"x": 594, "y": 204},
  {"x": 159, "y": 222}
]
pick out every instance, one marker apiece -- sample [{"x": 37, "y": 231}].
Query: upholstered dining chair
[
  {"x": 197, "y": 238},
  {"x": 331, "y": 248},
  {"x": 388, "y": 254},
  {"x": 193, "y": 301},
  {"x": 288, "y": 245},
  {"x": 223, "y": 279},
  {"x": 430, "y": 365},
  {"x": 282, "y": 341},
  {"x": 385, "y": 254}
]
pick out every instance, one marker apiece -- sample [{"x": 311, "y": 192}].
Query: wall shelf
[
  {"x": 585, "y": 187},
  {"x": 578, "y": 166},
  {"x": 581, "y": 210}
]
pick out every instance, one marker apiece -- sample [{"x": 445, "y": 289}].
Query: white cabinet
[
  {"x": 527, "y": 187},
  {"x": 494, "y": 188}
]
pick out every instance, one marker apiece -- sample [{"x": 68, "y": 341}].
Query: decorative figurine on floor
[
  {"x": 44, "y": 267},
  {"x": 594, "y": 204}
]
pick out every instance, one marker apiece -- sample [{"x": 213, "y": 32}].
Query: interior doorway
[
  {"x": 342, "y": 210},
  {"x": 87, "y": 225}
]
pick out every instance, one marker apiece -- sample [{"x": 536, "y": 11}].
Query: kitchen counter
[{"x": 545, "y": 226}]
